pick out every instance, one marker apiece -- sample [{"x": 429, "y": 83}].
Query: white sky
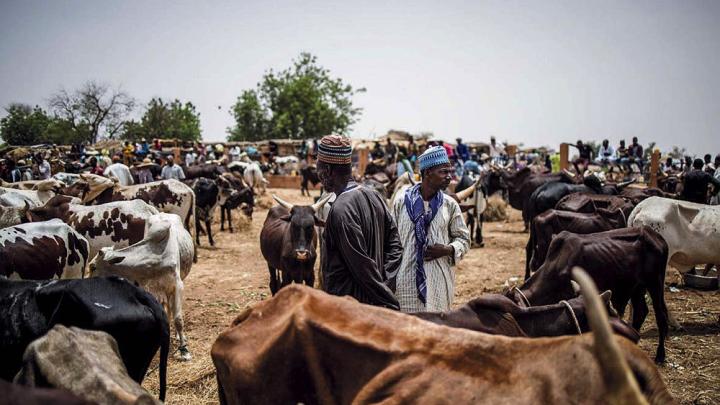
[{"x": 538, "y": 72}]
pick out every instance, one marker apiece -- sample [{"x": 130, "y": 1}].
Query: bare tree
[{"x": 93, "y": 109}]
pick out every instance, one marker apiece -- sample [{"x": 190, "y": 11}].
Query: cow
[
  {"x": 42, "y": 250},
  {"x": 286, "y": 164},
  {"x": 549, "y": 194},
  {"x": 628, "y": 261},
  {"x": 159, "y": 264},
  {"x": 207, "y": 170},
  {"x": 117, "y": 224},
  {"x": 288, "y": 242},
  {"x": 301, "y": 335},
  {"x": 589, "y": 203},
  {"x": 244, "y": 196},
  {"x": 19, "y": 394},
  {"x": 86, "y": 363},
  {"x": 691, "y": 230},
  {"x": 635, "y": 194},
  {"x": 39, "y": 194},
  {"x": 10, "y": 213},
  {"x": 498, "y": 315},
  {"x": 309, "y": 175},
  {"x": 209, "y": 194},
  {"x": 548, "y": 224},
  {"x": 252, "y": 174},
  {"x": 169, "y": 196},
  {"x": 28, "y": 309}
]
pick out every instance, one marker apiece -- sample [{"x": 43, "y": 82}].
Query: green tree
[
  {"x": 166, "y": 120},
  {"x": 24, "y": 125},
  {"x": 300, "y": 102},
  {"x": 93, "y": 110}
]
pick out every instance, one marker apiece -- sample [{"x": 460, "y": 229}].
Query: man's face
[
  {"x": 324, "y": 175},
  {"x": 634, "y": 141},
  {"x": 439, "y": 177},
  {"x": 605, "y": 144}
]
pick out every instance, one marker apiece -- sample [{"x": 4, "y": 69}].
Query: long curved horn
[
  {"x": 468, "y": 192},
  {"x": 622, "y": 386},
  {"x": 624, "y": 184},
  {"x": 285, "y": 204},
  {"x": 316, "y": 207},
  {"x": 569, "y": 173},
  {"x": 410, "y": 177}
]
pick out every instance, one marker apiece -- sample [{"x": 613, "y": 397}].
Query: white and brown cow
[
  {"x": 117, "y": 224},
  {"x": 169, "y": 196},
  {"x": 42, "y": 250},
  {"x": 692, "y": 231},
  {"x": 159, "y": 263},
  {"x": 38, "y": 194}
]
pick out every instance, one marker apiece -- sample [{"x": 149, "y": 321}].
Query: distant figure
[
  {"x": 120, "y": 172},
  {"x": 44, "y": 170},
  {"x": 143, "y": 171},
  {"x": 585, "y": 156},
  {"x": 128, "y": 152},
  {"x": 606, "y": 154},
  {"x": 461, "y": 150},
  {"x": 695, "y": 184},
  {"x": 496, "y": 151},
  {"x": 377, "y": 151},
  {"x": 716, "y": 198},
  {"x": 390, "y": 152},
  {"x": 189, "y": 159},
  {"x": 709, "y": 166},
  {"x": 448, "y": 149},
  {"x": 171, "y": 170},
  {"x": 635, "y": 153}
]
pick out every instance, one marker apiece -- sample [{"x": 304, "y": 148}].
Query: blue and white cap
[{"x": 432, "y": 157}]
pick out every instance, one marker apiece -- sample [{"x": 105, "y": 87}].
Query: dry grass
[
  {"x": 233, "y": 276},
  {"x": 496, "y": 209}
]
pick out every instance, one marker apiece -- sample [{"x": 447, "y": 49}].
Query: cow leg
[
  {"x": 273, "y": 280},
  {"x": 657, "y": 293},
  {"x": 209, "y": 230},
  {"x": 639, "y": 308},
  {"x": 197, "y": 230},
  {"x": 178, "y": 320},
  {"x": 478, "y": 231},
  {"x": 222, "y": 218},
  {"x": 229, "y": 219}
]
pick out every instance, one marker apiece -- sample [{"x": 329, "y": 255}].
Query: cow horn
[
  {"x": 569, "y": 173},
  {"x": 467, "y": 193},
  {"x": 285, "y": 204},
  {"x": 509, "y": 165},
  {"x": 316, "y": 207},
  {"x": 624, "y": 184},
  {"x": 622, "y": 386},
  {"x": 410, "y": 177}
]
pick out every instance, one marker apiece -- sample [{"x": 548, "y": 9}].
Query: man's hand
[{"x": 437, "y": 250}]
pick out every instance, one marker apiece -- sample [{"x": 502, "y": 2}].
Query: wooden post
[
  {"x": 176, "y": 153},
  {"x": 564, "y": 156},
  {"x": 654, "y": 166},
  {"x": 362, "y": 160}
]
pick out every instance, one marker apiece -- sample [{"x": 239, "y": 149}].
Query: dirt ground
[{"x": 233, "y": 276}]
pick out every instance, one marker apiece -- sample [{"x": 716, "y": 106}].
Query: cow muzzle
[{"x": 302, "y": 255}]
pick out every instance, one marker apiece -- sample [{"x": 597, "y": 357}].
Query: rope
[
  {"x": 572, "y": 314},
  {"x": 525, "y": 299}
]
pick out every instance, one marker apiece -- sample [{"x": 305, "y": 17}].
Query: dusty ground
[{"x": 233, "y": 276}]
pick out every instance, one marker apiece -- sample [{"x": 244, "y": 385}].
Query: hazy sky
[{"x": 538, "y": 72}]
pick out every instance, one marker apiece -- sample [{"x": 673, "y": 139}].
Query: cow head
[
  {"x": 302, "y": 219},
  {"x": 53, "y": 185},
  {"x": 10, "y": 216},
  {"x": 129, "y": 262},
  {"x": 56, "y": 207},
  {"x": 96, "y": 185}
]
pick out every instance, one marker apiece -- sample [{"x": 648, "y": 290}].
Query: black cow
[
  {"x": 627, "y": 261},
  {"x": 207, "y": 170},
  {"x": 208, "y": 195},
  {"x": 245, "y": 195},
  {"x": 288, "y": 240},
  {"x": 129, "y": 314},
  {"x": 309, "y": 174}
]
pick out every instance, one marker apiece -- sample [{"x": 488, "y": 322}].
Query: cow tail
[{"x": 195, "y": 228}]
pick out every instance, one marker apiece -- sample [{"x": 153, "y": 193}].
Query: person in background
[
  {"x": 585, "y": 156},
  {"x": 171, "y": 170},
  {"x": 361, "y": 251},
  {"x": 219, "y": 150},
  {"x": 144, "y": 148},
  {"x": 14, "y": 173},
  {"x": 434, "y": 237},
  {"x": 412, "y": 150},
  {"x": 635, "y": 153},
  {"x": 448, "y": 149},
  {"x": 404, "y": 165},
  {"x": 606, "y": 154},
  {"x": 120, "y": 171},
  {"x": 390, "y": 152},
  {"x": 128, "y": 152},
  {"x": 377, "y": 151},
  {"x": 668, "y": 166},
  {"x": 709, "y": 166},
  {"x": 461, "y": 150},
  {"x": 95, "y": 168},
  {"x": 157, "y": 145},
  {"x": 695, "y": 184},
  {"x": 143, "y": 171},
  {"x": 44, "y": 170},
  {"x": 496, "y": 151},
  {"x": 235, "y": 153},
  {"x": 189, "y": 159},
  {"x": 715, "y": 200}
]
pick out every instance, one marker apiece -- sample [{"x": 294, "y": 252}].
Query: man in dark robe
[
  {"x": 695, "y": 184},
  {"x": 362, "y": 250}
]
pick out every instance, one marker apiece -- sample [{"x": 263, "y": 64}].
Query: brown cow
[
  {"x": 323, "y": 349},
  {"x": 626, "y": 261},
  {"x": 288, "y": 241},
  {"x": 499, "y": 315},
  {"x": 552, "y": 222},
  {"x": 589, "y": 203}
]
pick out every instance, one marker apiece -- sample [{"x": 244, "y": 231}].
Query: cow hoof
[{"x": 184, "y": 354}]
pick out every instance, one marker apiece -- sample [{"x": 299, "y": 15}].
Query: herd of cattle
[{"x": 89, "y": 263}]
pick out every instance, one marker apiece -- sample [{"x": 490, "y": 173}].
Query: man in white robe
[{"x": 434, "y": 238}]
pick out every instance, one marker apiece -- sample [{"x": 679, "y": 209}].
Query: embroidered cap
[
  {"x": 335, "y": 150},
  {"x": 432, "y": 157}
]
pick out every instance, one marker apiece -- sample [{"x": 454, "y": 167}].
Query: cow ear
[
  {"x": 285, "y": 218},
  {"x": 319, "y": 222}
]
